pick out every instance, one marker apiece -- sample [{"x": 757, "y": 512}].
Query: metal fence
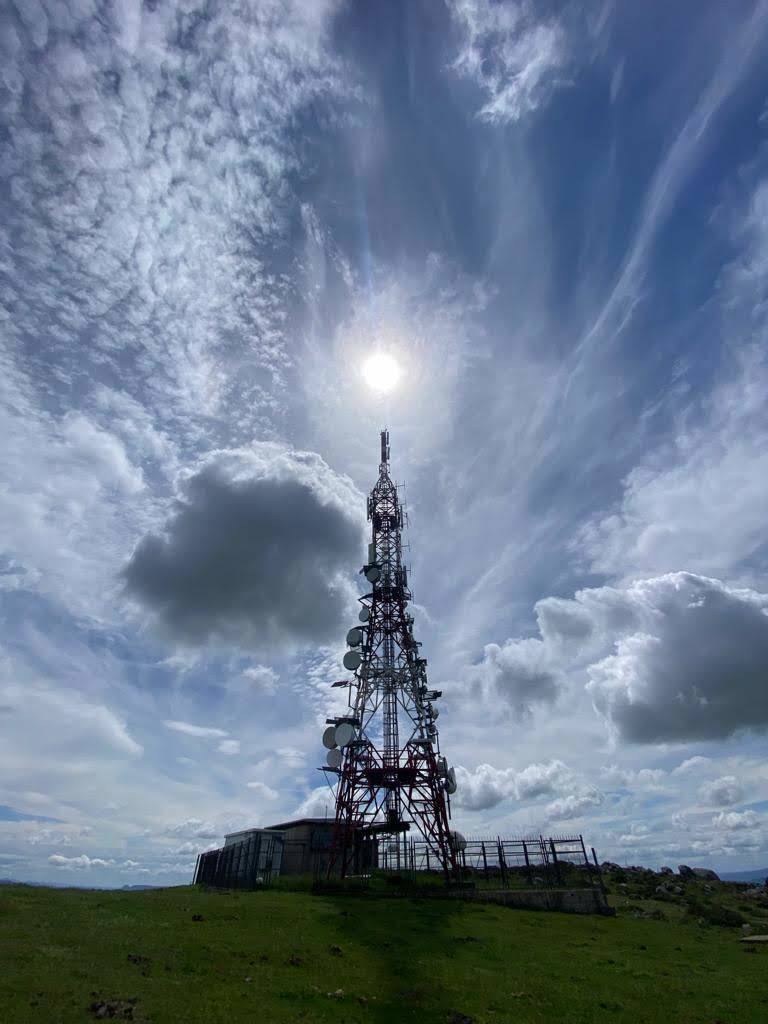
[{"x": 490, "y": 862}]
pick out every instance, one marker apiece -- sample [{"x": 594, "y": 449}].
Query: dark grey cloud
[
  {"x": 694, "y": 666},
  {"x": 256, "y": 553}
]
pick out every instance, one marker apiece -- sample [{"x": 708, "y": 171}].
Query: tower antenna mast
[{"x": 385, "y": 750}]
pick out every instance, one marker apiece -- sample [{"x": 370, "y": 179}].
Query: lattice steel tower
[{"x": 385, "y": 750}]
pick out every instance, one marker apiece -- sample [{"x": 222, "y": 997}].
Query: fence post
[
  {"x": 528, "y": 871},
  {"x": 502, "y": 863},
  {"x": 599, "y": 872},
  {"x": 485, "y": 861},
  {"x": 556, "y": 862}
]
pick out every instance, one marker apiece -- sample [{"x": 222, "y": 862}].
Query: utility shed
[
  {"x": 302, "y": 842},
  {"x": 305, "y": 840}
]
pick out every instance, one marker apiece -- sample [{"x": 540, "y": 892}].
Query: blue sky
[{"x": 554, "y": 217}]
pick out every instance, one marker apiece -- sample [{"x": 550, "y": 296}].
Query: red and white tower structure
[{"x": 392, "y": 778}]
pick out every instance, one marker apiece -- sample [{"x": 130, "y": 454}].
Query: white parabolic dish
[
  {"x": 364, "y": 615},
  {"x": 355, "y": 637},
  {"x": 329, "y": 737},
  {"x": 373, "y": 574},
  {"x": 345, "y": 733},
  {"x": 352, "y": 660},
  {"x": 334, "y": 758}
]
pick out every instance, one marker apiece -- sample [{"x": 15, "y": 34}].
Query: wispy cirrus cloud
[{"x": 516, "y": 59}]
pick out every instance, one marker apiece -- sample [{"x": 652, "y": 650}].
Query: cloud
[
  {"x": 194, "y": 730},
  {"x": 735, "y": 820},
  {"x": 82, "y": 862},
  {"x": 320, "y": 803},
  {"x": 195, "y": 828},
  {"x": 515, "y": 60},
  {"x": 485, "y": 786},
  {"x": 693, "y": 502},
  {"x": 722, "y": 792},
  {"x": 263, "y": 790},
  {"x": 692, "y": 664},
  {"x": 229, "y": 747},
  {"x": 81, "y": 725},
  {"x": 520, "y": 672},
  {"x": 262, "y": 678},
  {"x": 676, "y": 657},
  {"x": 574, "y": 805},
  {"x": 692, "y": 764},
  {"x": 643, "y": 778},
  {"x": 255, "y": 552}
]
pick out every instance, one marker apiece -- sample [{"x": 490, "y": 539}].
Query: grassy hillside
[{"x": 179, "y": 955}]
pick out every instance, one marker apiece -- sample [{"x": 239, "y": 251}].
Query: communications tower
[{"x": 385, "y": 750}]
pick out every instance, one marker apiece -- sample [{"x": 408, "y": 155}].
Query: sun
[{"x": 381, "y": 372}]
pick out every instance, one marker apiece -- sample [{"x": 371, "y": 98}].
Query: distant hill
[{"x": 758, "y": 875}]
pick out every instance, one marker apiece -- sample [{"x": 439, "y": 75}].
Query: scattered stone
[
  {"x": 140, "y": 961},
  {"x": 362, "y": 1000},
  {"x": 466, "y": 938},
  {"x": 248, "y": 980},
  {"x": 198, "y": 917},
  {"x": 661, "y": 890},
  {"x": 666, "y": 871},
  {"x": 294, "y": 961},
  {"x": 338, "y": 994},
  {"x": 113, "y": 1009},
  {"x": 685, "y": 871},
  {"x": 746, "y": 929},
  {"x": 334, "y": 950},
  {"x": 677, "y": 890}
]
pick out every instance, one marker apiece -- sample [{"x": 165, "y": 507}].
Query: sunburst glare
[{"x": 381, "y": 372}]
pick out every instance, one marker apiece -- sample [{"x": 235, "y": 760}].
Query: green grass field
[{"x": 277, "y": 956}]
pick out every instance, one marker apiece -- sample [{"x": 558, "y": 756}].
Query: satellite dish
[
  {"x": 352, "y": 660},
  {"x": 458, "y": 842},
  {"x": 345, "y": 733},
  {"x": 334, "y": 758},
  {"x": 364, "y": 615},
  {"x": 451, "y": 776},
  {"x": 329, "y": 737},
  {"x": 434, "y": 711},
  {"x": 373, "y": 573},
  {"x": 450, "y": 787},
  {"x": 355, "y": 637}
]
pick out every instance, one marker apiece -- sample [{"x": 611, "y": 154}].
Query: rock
[
  {"x": 746, "y": 929},
  {"x": 113, "y": 1009},
  {"x": 677, "y": 890},
  {"x": 707, "y": 873},
  {"x": 334, "y": 950},
  {"x": 338, "y": 994},
  {"x": 685, "y": 871},
  {"x": 661, "y": 890},
  {"x": 754, "y": 938},
  {"x": 667, "y": 871},
  {"x": 608, "y": 865},
  {"x": 294, "y": 961},
  {"x": 198, "y": 917}
]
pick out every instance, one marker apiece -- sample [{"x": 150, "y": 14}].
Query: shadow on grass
[{"x": 406, "y": 936}]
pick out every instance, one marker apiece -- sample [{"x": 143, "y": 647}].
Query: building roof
[{"x": 300, "y": 821}]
